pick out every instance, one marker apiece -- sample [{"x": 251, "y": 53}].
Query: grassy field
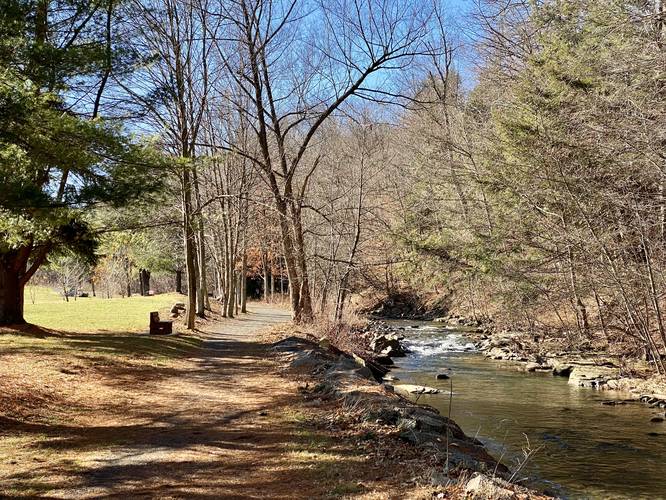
[
  {"x": 114, "y": 330},
  {"x": 91, "y": 314}
]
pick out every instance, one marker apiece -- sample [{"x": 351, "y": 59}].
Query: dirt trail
[
  {"x": 203, "y": 431},
  {"x": 222, "y": 421},
  {"x": 215, "y": 425}
]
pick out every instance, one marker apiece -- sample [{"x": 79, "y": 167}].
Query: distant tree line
[{"x": 326, "y": 148}]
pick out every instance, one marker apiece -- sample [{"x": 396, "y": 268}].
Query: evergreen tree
[{"x": 58, "y": 158}]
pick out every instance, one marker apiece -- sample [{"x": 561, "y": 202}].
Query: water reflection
[{"x": 587, "y": 449}]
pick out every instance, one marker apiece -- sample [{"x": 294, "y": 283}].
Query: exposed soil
[
  {"x": 404, "y": 304},
  {"x": 214, "y": 420}
]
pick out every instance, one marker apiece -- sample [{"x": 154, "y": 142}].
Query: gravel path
[{"x": 211, "y": 426}]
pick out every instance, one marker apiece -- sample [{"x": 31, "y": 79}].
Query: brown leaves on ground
[
  {"x": 84, "y": 417},
  {"x": 87, "y": 417}
]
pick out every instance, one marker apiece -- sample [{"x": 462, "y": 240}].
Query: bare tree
[
  {"x": 173, "y": 92},
  {"x": 293, "y": 65}
]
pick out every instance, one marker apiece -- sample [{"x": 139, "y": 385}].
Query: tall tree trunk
[
  {"x": 218, "y": 257},
  {"x": 340, "y": 302},
  {"x": 343, "y": 288},
  {"x": 224, "y": 277},
  {"x": 202, "y": 291},
  {"x": 324, "y": 298},
  {"x": 128, "y": 278},
  {"x": 455, "y": 180},
  {"x": 303, "y": 312},
  {"x": 144, "y": 281},
  {"x": 272, "y": 279},
  {"x": 244, "y": 282},
  {"x": 281, "y": 282},
  {"x": 11, "y": 293},
  {"x": 179, "y": 281},
  {"x": 288, "y": 248},
  {"x": 231, "y": 287},
  {"x": 654, "y": 292},
  {"x": 201, "y": 272},
  {"x": 581, "y": 310},
  {"x": 328, "y": 274},
  {"x": 266, "y": 270},
  {"x": 225, "y": 257},
  {"x": 600, "y": 314},
  {"x": 188, "y": 235},
  {"x": 239, "y": 277}
]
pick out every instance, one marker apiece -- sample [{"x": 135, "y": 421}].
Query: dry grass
[{"x": 93, "y": 414}]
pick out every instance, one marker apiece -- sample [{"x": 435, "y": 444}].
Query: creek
[{"x": 583, "y": 447}]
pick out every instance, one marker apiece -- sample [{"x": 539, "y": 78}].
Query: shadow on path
[{"x": 220, "y": 424}]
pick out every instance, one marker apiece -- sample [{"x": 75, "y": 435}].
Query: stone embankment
[
  {"x": 583, "y": 369},
  {"x": 353, "y": 381}
]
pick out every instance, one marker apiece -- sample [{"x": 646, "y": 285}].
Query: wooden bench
[{"x": 158, "y": 327}]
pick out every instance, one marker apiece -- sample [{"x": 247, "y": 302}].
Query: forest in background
[{"x": 511, "y": 163}]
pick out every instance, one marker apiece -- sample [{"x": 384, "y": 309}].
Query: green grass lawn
[
  {"x": 93, "y": 313},
  {"x": 95, "y": 328}
]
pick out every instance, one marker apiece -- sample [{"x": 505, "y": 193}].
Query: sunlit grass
[
  {"x": 104, "y": 329},
  {"x": 91, "y": 314}
]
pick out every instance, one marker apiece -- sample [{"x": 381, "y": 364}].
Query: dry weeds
[{"x": 205, "y": 416}]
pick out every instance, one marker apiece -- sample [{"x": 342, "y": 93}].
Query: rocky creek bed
[
  {"x": 360, "y": 381},
  {"x": 598, "y": 370},
  {"x": 591, "y": 370},
  {"x": 589, "y": 439},
  {"x": 511, "y": 395}
]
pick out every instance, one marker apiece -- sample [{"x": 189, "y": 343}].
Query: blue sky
[{"x": 460, "y": 17}]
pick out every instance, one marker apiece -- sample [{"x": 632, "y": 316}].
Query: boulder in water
[
  {"x": 595, "y": 377},
  {"x": 387, "y": 345},
  {"x": 378, "y": 371},
  {"x": 562, "y": 369},
  {"x": 391, "y": 352},
  {"x": 416, "y": 389}
]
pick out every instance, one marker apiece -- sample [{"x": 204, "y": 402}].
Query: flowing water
[{"x": 585, "y": 449}]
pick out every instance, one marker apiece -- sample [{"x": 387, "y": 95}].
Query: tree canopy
[{"x": 58, "y": 158}]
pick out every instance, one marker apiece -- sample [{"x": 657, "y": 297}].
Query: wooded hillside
[{"x": 509, "y": 162}]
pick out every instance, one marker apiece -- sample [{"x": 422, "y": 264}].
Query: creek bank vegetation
[
  {"x": 451, "y": 462},
  {"x": 195, "y": 141}
]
